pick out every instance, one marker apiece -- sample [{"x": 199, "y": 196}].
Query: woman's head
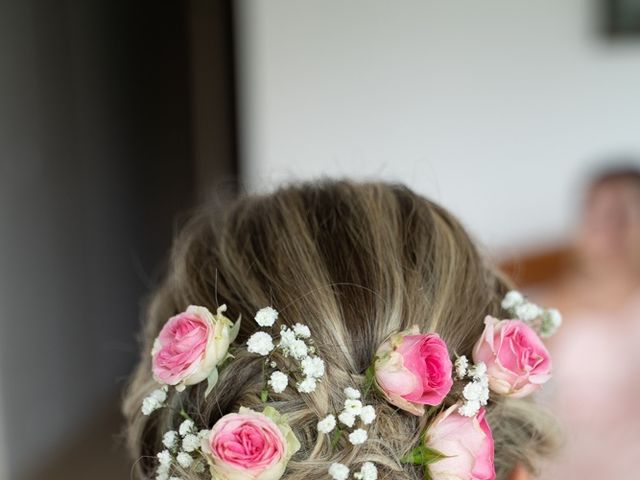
[
  {"x": 610, "y": 229},
  {"x": 356, "y": 263}
]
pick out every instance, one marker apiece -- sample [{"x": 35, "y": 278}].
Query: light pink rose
[
  {"x": 250, "y": 446},
  {"x": 413, "y": 370},
  {"x": 190, "y": 346},
  {"x": 517, "y": 361},
  {"x": 466, "y": 443}
]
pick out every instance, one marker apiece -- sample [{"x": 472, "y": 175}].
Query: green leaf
[
  {"x": 212, "y": 379},
  {"x": 422, "y": 455},
  {"x": 235, "y": 329},
  {"x": 335, "y": 438},
  {"x": 369, "y": 379},
  {"x": 264, "y": 395}
]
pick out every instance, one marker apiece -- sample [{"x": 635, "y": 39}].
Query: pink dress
[{"x": 596, "y": 395}]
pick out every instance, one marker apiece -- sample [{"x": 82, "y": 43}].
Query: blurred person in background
[{"x": 596, "y": 353}]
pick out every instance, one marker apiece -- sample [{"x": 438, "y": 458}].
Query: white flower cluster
[
  {"x": 545, "y": 321},
  {"x": 476, "y": 391},
  {"x": 294, "y": 343},
  {"x": 353, "y": 408},
  {"x": 182, "y": 448},
  {"x": 155, "y": 400},
  {"x": 339, "y": 471}
]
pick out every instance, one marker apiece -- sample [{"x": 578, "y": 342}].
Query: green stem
[{"x": 335, "y": 438}]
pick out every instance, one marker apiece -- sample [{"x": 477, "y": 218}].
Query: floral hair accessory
[
  {"x": 413, "y": 369},
  {"x": 181, "y": 449},
  {"x": 517, "y": 361},
  {"x": 476, "y": 392},
  {"x": 352, "y": 420},
  {"x": 250, "y": 446},
  {"x": 545, "y": 321},
  {"x": 297, "y": 349},
  {"x": 456, "y": 447},
  {"x": 191, "y": 346},
  {"x": 410, "y": 370}
]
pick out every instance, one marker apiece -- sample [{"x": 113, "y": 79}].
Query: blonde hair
[{"x": 354, "y": 262}]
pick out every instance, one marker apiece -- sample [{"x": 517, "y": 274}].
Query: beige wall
[{"x": 495, "y": 108}]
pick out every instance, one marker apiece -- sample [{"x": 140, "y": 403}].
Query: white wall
[{"x": 494, "y": 108}]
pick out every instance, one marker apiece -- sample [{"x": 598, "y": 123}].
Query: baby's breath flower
[
  {"x": 260, "y": 343},
  {"x": 347, "y": 419},
  {"x": 154, "y": 400},
  {"x": 461, "y": 366},
  {"x": 551, "y": 321},
  {"x": 169, "y": 439},
  {"x": 287, "y": 337},
  {"x": 149, "y": 405},
  {"x": 278, "y": 382},
  {"x": 368, "y": 471},
  {"x": 312, "y": 367},
  {"x": 298, "y": 349},
  {"x": 308, "y": 385},
  {"x": 186, "y": 427},
  {"x": 358, "y": 436},
  {"x": 512, "y": 299},
  {"x": 352, "y": 393},
  {"x": 301, "y": 331},
  {"x": 472, "y": 391},
  {"x": 164, "y": 457},
  {"x": 190, "y": 442},
  {"x": 367, "y": 414},
  {"x": 266, "y": 317},
  {"x": 338, "y": 471},
  {"x": 528, "y": 311},
  {"x": 160, "y": 394},
  {"x": 354, "y": 407},
  {"x": 327, "y": 424},
  {"x": 478, "y": 371},
  {"x": 184, "y": 459},
  {"x": 469, "y": 408}
]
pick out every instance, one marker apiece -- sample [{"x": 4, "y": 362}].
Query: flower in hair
[
  {"x": 182, "y": 451},
  {"x": 368, "y": 471},
  {"x": 295, "y": 346},
  {"x": 475, "y": 393},
  {"x": 544, "y": 321},
  {"x": 517, "y": 362},
  {"x": 455, "y": 447},
  {"x": 512, "y": 299},
  {"x": 266, "y": 317},
  {"x": 458, "y": 447},
  {"x": 278, "y": 381},
  {"x": 260, "y": 343},
  {"x": 358, "y": 436},
  {"x": 368, "y": 414},
  {"x": 338, "y": 471},
  {"x": 191, "y": 345},
  {"x": 327, "y": 424},
  {"x": 413, "y": 369},
  {"x": 154, "y": 400},
  {"x": 249, "y": 445}
]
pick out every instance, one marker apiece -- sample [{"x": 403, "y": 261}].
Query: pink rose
[
  {"x": 465, "y": 442},
  {"x": 250, "y": 446},
  {"x": 413, "y": 370},
  {"x": 190, "y": 346},
  {"x": 517, "y": 361}
]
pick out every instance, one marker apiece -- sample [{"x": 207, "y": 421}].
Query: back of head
[{"x": 354, "y": 262}]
